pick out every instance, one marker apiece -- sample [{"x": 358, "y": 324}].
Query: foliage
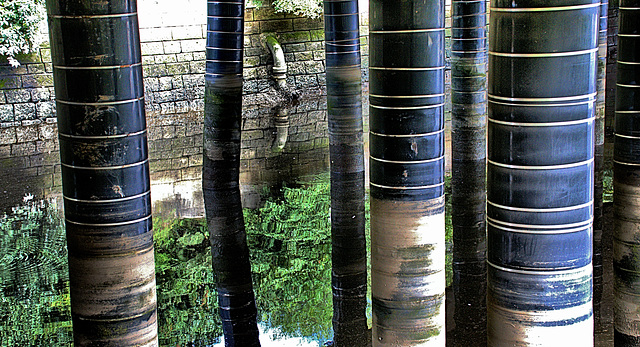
[
  {"x": 607, "y": 185},
  {"x": 448, "y": 230},
  {"x": 19, "y": 26},
  {"x": 187, "y": 303},
  {"x": 290, "y": 247},
  {"x": 306, "y": 8},
  {"x": 289, "y": 240},
  {"x": 34, "y": 300}
]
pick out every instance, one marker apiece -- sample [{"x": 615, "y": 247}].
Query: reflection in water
[
  {"x": 469, "y": 252},
  {"x": 291, "y": 260},
  {"x": 274, "y": 337},
  {"x": 290, "y": 249},
  {"x": 289, "y": 242},
  {"x": 289, "y": 239},
  {"x": 34, "y": 289}
]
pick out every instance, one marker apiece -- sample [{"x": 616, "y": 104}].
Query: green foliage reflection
[
  {"x": 34, "y": 288},
  {"x": 607, "y": 184},
  {"x": 289, "y": 240},
  {"x": 290, "y": 246},
  {"x": 187, "y": 301}
]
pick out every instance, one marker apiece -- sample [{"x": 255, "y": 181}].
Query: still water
[
  {"x": 289, "y": 241},
  {"x": 289, "y": 238}
]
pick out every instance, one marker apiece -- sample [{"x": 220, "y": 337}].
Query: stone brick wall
[
  {"x": 173, "y": 42},
  {"x": 29, "y": 157},
  {"x": 174, "y": 63}
]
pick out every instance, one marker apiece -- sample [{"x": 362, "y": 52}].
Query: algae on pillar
[
  {"x": 541, "y": 93},
  {"x": 407, "y": 172},
  {"x": 97, "y": 73},
  {"x": 346, "y": 151},
  {"x": 221, "y": 169},
  {"x": 626, "y": 179}
]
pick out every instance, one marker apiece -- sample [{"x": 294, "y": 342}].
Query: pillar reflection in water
[
  {"x": 626, "y": 179},
  {"x": 468, "y": 198},
  {"x": 346, "y": 151},
  {"x": 599, "y": 161},
  {"x": 221, "y": 170}
]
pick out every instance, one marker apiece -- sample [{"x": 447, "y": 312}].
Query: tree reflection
[
  {"x": 290, "y": 247},
  {"x": 289, "y": 241}
]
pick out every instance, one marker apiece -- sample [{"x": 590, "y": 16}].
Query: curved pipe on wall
[
  {"x": 280, "y": 75},
  {"x": 282, "y": 129},
  {"x": 279, "y": 63}
]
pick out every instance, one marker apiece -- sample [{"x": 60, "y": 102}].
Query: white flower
[
  {"x": 28, "y": 196},
  {"x": 13, "y": 61}
]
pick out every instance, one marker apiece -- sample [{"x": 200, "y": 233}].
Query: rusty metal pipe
[
  {"x": 282, "y": 129},
  {"x": 279, "y": 62}
]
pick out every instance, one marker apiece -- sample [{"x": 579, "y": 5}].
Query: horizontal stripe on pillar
[
  {"x": 405, "y": 15},
  {"x": 101, "y": 119},
  {"x": 553, "y": 76},
  {"x": 223, "y": 54},
  {"x": 417, "y": 148},
  {"x": 122, "y": 48},
  {"x": 407, "y": 175},
  {"x": 573, "y": 214},
  {"x": 402, "y": 82},
  {"x": 225, "y": 9},
  {"x": 100, "y": 85},
  {"x": 567, "y": 246},
  {"x": 225, "y": 40},
  {"x": 225, "y": 24},
  {"x": 94, "y": 183},
  {"x": 519, "y": 144},
  {"x": 106, "y": 239},
  {"x": 526, "y": 290},
  {"x": 542, "y": 111},
  {"x": 406, "y": 121},
  {"x": 79, "y": 8},
  {"x": 535, "y": 39},
  {"x": 415, "y": 49},
  {"x": 104, "y": 151},
  {"x": 533, "y": 188}
]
